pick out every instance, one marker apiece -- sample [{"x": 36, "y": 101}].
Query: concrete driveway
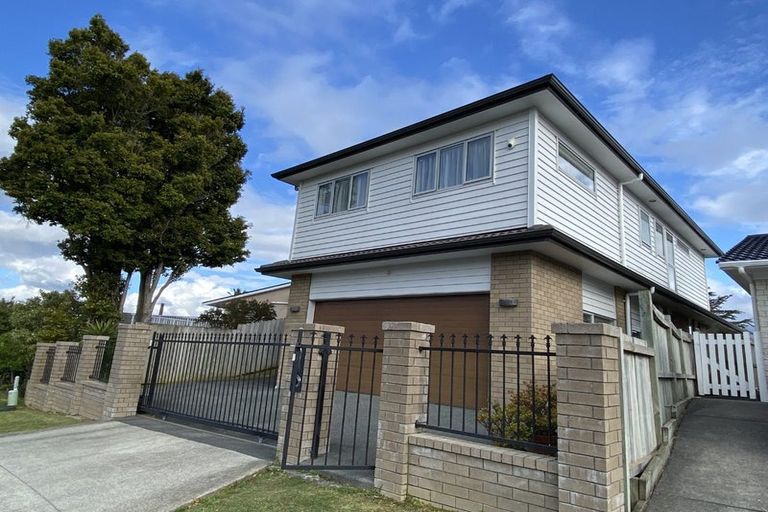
[
  {"x": 719, "y": 460},
  {"x": 140, "y": 464}
]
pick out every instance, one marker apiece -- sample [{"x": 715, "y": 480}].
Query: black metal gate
[
  {"x": 229, "y": 380},
  {"x": 334, "y": 403}
]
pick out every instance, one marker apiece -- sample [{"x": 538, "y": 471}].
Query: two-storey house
[{"x": 501, "y": 216}]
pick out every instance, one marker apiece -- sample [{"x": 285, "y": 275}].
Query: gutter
[
  {"x": 622, "y": 241},
  {"x": 759, "y": 354}
]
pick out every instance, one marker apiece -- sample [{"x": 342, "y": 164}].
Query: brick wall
[
  {"x": 547, "y": 292},
  {"x": 299, "y": 296},
  {"x": 620, "y": 296},
  {"x": 86, "y": 397},
  {"x": 468, "y": 476}
]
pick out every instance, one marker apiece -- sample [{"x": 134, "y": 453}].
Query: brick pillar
[
  {"x": 36, "y": 392},
  {"x": 402, "y": 402},
  {"x": 590, "y": 448},
  {"x": 306, "y": 401},
  {"x": 88, "y": 357},
  {"x": 60, "y": 394},
  {"x": 129, "y": 366}
]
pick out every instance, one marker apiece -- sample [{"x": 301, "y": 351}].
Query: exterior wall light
[
  {"x": 507, "y": 303},
  {"x": 295, "y": 309}
]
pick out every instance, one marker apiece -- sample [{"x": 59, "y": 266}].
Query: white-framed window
[
  {"x": 342, "y": 194},
  {"x": 659, "y": 240},
  {"x": 645, "y": 228},
  {"x": 591, "y": 318},
  {"x": 683, "y": 247},
  {"x": 450, "y": 166},
  {"x": 574, "y": 166}
]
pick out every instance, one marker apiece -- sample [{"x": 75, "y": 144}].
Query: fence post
[
  {"x": 590, "y": 438},
  {"x": 128, "y": 365},
  {"x": 298, "y": 410},
  {"x": 402, "y": 402},
  {"x": 36, "y": 392}
]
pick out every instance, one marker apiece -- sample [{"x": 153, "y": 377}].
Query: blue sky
[{"x": 681, "y": 84}]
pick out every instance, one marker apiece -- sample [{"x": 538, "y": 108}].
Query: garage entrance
[{"x": 450, "y": 314}]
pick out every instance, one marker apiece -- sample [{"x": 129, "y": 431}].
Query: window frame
[
  {"x": 594, "y": 318},
  {"x": 332, "y": 183},
  {"x": 660, "y": 252},
  {"x": 580, "y": 162},
  {"x": 683, "y": 246},
  {"x": 464, "y": 143},
  {"x": 651, "y": 220}
]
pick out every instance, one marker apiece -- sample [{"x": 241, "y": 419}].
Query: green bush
[{"x": 501, "y": 421}]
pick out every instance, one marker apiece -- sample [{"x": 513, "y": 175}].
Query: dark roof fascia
[
  {"x": 550, "y": 82},
  {"x": 534, "y": 234},
  {"x": 590, "y": 253},
  {"x": 500, "y": 98}
]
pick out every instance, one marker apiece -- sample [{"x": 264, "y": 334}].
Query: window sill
[
  {"x": 432, "y": 193},
  {"x": 362, "y": 209}
]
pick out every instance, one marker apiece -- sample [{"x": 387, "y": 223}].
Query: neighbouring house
[
  {"x": 747, "y": 264},
  {"x": 501, "y": 216},
  {"x": 277, "y": 295}
]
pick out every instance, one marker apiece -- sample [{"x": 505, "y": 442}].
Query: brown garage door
[{"x": 451, "y": 314}]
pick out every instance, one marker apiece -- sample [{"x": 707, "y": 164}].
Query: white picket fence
[{"x": 725, "y": 365}]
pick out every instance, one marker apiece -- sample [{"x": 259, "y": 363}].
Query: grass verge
[
  {"x": 25, "y": 420},
  {"x": 274, "y": 490}
]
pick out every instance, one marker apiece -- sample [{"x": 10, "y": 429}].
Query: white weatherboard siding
[
  {"x": 394, "y": 216},
  {"x": 598, "y": 297},
  {"x": 465, "y": 275},
  {"x": 590, "y": 217},
  {"x": 593, "y": 219},
  {"x": 690, "y": 270}
]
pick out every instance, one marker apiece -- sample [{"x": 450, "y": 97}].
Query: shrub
[{"x": 501, "y": 421}]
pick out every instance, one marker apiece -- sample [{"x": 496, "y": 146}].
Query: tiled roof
[{"x": 753, "y": 247}]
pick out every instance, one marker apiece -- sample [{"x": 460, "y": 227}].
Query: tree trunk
[{"x": 148, "y": 281}]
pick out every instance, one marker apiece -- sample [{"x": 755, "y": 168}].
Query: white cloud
[
  {"x": 405, "y": 32},
  {"x": 625, "y": 65},
  {"x": 11, "y": 105},
  {"x": 445, "y": 10},
  {"x": 30, "y": 250},
  {"x": 302, "y": 100},
  {"x": 542, "y": 28},
  {"x": 153, "y": 44},
  {"x": 740, "y": 300},
  {"x": 21, "y": 292},
  {"x": 185, "y": 297},
  {"x": 270, "y": 225}
]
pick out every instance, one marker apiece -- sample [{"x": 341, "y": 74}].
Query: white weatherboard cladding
[
  {"x": 590, "y": 217},
  {"x": 598, "y": 297},
  {"x": 465, "y": 275},
  {"x": 593, "y": 219},
  {"x": 690, "y": 269},
  {"x": 394, "y": 216}
]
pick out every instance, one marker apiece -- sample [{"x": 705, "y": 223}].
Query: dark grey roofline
[
  {"x": 550, "y": 82},
  {"x": 534, "y": 234}
]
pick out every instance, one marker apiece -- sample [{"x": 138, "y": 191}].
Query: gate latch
[{"x": 297, "y": 373}]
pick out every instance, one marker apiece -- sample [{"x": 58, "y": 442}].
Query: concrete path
[
  {"x": 141, "y": 464},
  {"x": 719, "y": 461}
]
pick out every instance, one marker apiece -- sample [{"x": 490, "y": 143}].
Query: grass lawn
[
  {"x": 275, "y": 490},
  {"x": 25, "y": 420}
]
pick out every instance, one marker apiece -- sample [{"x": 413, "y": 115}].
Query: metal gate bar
[
  {"x": 230, "y": 380},
  {"x": 352, "y": 412}
]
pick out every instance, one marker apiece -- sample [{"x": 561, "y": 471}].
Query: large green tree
[{"x": 140, "y": 167}]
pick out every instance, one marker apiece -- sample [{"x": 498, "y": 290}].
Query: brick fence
[
  {"x": 460, "y": 474},
  {"x": 84, "y": 395}
]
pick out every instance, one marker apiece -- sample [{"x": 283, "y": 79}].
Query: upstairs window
[
  {"x": 660, "y": 246},
  {"x": 342, "y": 194},
  {"x": 645, "y": 228},
  {"x": 575, "y": 167},
  {"x": 683, "y": 247},
  {"x": 454, "y": 165}
]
